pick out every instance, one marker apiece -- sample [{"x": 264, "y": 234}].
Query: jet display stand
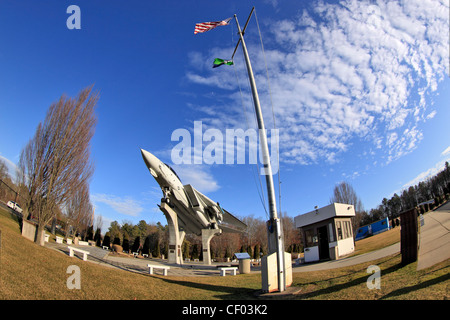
[
  {"x": 176, "y": 236},
  {"x": 207, "y": 235}
]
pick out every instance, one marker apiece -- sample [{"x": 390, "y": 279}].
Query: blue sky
[{"x": 359, "y": 89}]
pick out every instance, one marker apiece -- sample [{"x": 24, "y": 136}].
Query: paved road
[{"x": 434, "y": 239}]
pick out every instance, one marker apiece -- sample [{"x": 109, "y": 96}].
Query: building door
[{"x": 324, "y": 249}]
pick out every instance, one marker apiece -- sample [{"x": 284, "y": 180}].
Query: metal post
[{"x": 266, "y": 164}]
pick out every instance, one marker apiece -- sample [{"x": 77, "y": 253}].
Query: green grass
[
  {"x": 396, "y": 282},
  {"x": 28, "y": 271},
  {"x": 377, "y": 241}
]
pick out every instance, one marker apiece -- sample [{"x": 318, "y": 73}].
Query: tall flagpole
[{"x": 274, "y": 224}]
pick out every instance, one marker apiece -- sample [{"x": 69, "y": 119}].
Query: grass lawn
[
  {"x": 28, "y": 271},
  {"x": 397, "y": 282},
  {"x": 377, "y": 241}
]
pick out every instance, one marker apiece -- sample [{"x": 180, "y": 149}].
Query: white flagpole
[{"x": 274, "y": 220}]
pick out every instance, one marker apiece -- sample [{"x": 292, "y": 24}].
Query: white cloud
[
  {"x": 123, "y": 205},
  {"x": 426, "y": 174},
  {"x": 446, "y": 151},
  {"x": 197, "y": 176},
  {"x": 11, "y": 166},
  {"x": 392, "y": 138},
  {"x": 211, "y": 80},
  {"x": 274, "y": 3},
  {"x": 352, "y": 73},
  {"x": 431, "y": 114}
]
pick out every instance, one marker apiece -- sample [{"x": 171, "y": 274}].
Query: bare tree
[
  {"x": 344, "y": 193},
  {"x": 5, "y": 189},
  {"x": 56, "y": 161},
  {"x": 78, "y": 210},
  {"x": 3, "y": 170},
  {"x": 291, "y": 233},
  {"x": 98, "y": 224}
]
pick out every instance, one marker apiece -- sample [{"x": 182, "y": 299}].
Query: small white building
[{"x": 327, "y": 232}]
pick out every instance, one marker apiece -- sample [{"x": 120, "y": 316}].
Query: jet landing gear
[{"x": 166, "y": 198}]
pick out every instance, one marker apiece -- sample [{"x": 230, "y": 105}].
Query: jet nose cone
[{"x": 151, "y": 161}]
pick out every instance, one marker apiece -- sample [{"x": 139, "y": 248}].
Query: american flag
[{"x": 206, "y": 26}]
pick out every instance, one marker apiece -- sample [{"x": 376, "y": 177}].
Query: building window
[
  {"x": 348, "y": 232},
  {"x": 310, "y": 238},
  {"x": 339, "y": 230},
  {"x": 344, "y": 230},
  {"x": 344, "y": 224}
]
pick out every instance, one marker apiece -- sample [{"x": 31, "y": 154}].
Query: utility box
[
  {"x": 269, "y": 272},
  {"x": 244, "y": 262}
]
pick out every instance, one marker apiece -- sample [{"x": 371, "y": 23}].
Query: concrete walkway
[
  {"x": 139, "y": 265},
  {"x": 103, "y": 257},
  {"x": 187, "y": 270},
  {"x": 434, "y": 238},
  {"x": 350, "y": 261}
]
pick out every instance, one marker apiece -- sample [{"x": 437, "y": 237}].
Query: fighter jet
[{"x": 195, "y": 211}]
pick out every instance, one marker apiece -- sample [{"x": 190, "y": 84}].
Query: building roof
[{"x": 324, "y": 213}]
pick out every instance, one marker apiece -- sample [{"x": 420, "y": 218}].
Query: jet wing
[
  {"x": 197, "y": 197},
  {"x": 228, "y": 218},
  {"x": 228, "y": 229},
  {"x": 234, "y": 224}
]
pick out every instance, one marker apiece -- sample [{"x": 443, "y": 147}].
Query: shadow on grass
[
  {"x": 229, "y": 293},
  {"x": 419, "y": 286},
  {"x": 241, "y": 293},
  {"x": 346, "y": 285},
  {"x": 363, "y": 268}
]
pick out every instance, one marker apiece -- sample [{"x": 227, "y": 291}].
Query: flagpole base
[{"x": 269, "y": 272}]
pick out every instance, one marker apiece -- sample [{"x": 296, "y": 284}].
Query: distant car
[{"x": 15, "y": 206}]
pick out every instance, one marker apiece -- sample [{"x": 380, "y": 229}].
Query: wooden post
[{"x": 409, "y": 237}]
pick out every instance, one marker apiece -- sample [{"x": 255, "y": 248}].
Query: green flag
[{"x": 218, "y": 62}]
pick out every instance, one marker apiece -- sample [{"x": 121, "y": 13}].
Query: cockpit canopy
[{"x": 172, "y": 171}]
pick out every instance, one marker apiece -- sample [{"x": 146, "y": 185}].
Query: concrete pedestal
[
  {"x": 176, "y": 237},
  {"x": 207, "y": 235}
]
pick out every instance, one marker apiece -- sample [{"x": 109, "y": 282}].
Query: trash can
[
  {"x": 244, "y": 266},
  {"x": 244, "y": 262}
]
